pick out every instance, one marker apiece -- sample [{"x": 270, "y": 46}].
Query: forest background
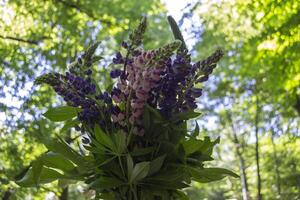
[{"x": 252, "y": 101}]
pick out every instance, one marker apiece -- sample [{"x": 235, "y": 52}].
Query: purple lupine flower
[
  {"x": 124, "y": 45},
  {"x": 118, "y": 59},
  {"x": 88, "y": 72},
  {"x": 115, "y": 73},
  {"x": 196, "y": 92},
  {"x": 116, "y": 95}
]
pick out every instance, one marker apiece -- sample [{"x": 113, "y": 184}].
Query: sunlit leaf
[{"x": 61, "y": 113}]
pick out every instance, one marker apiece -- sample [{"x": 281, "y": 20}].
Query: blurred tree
[
  {"x": 261, "y": 39},
  {"x": 260, "y": 72}
]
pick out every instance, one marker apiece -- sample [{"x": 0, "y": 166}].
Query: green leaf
[
  {"x": 139, "y": 172},
  {"x": 192, "y": 145},
  {"x": 103, "y": 138},
  {"x": 176, "y": 32},
  {"x": 156, "y": 164},
  {"x": 207, "y": 146},
  {"x": 62, "y": 183},
  {"x": 129, "y": 165},
  {"x": 69, "y": 124},
  {"x": 120, "y": 142},
  {"x": 142, "y": 151},
  {"x": 61, "y": 113},
  {"x": 107, "y": 161},
  {"x": 91, "y": 50},
  {"x": 160, "y": 184},
  {"x": 103, "y": 182},
  {"x": 181, "y": 195},
  {"x": 61, "y": 147},
  {"x": 206, "y": 175},
  {"x": 46, "y": 175},
  {"x": 186, "y": 115},
  {"x": 107, "y": 196},
  {"x": 196, "y": 131},
  {"x": 37, "y": 167},
  {"x": 55, "y": 160},
  {"x": 98, "y": 149},
  {"x": 147, "y": 194},
  {"x": 172, "y": 178},
  {"x": 146, "y": 118},
  {"x": 156, "y": 115},
  {"x": 96, "y": 58}
]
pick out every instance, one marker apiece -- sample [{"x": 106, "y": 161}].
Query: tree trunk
[
  {"x": 259, "y": 195},
  {"x": 297, "y": 104},
  {"x": 278, "y": 178},
  {"x": 7, "y": 194},
  {"x": 238, "y": 151},
  {"x": 65, "y": 193}
]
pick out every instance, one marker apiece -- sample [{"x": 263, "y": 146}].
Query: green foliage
[{"x": 62, "y": 113}]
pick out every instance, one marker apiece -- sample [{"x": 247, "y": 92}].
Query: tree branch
[
  {"x": 85, "y": 11},
  {"x": 34, "y": 42}
]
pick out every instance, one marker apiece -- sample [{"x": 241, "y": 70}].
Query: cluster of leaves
[
  {"x": 117, "y": 163},
  {"x": 169, "y": 163}
]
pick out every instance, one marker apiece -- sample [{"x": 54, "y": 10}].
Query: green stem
[
  {"x": 129, "y": 193},
  {"x": 120, "y": 162},
  {"x": 135, "y": 193}
]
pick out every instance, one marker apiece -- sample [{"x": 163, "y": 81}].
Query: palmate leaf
[
  {"x": 57, "y": 161},
  {"x": 106, "y": 196},
  {"x": 206, "y": 175},
  {"x": 195, "y": 133},
  {"x": 61, "y": 147},
  {"x": 61, "y": 113},
  {"x": 170, "y": 178},
  {"x": 156, "y": 164},
  {"x": 120, "y": 143},
  {"x": 193, "y": 145},
  {"x": 154, "y": 113},
  {"x": 47, "y": 168},
  {"x": 142, "y": 151},
  {"x": 185, "y": 116},
  {"x": 140, "y": 171},
  {"x": 129, "y": 166},
  {"x": 180, "y": 195},
  {"x": 45, "y": 175},
  {"x": 103, "y": 138},
  {"x": 103, "y": 183},
  {"x": 208, "y": 145},
  {"x": 69, "y": 124}
]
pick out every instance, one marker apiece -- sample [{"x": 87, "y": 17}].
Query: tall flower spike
[
  {"x": 137, "y": 35},
  {"x": 52, "y": 79},
  {"x": 182, "y": 51},
  {"x": 207, "y": 65},
  {"x": 163, "y": 53},
  {"x": 90, "y": 52}
]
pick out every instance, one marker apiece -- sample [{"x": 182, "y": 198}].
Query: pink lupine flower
[
  {"x": 141, "y": 79},
  {"x": 121, "y": 116},
  {"x": 116, "y": 99},
  {"x": 118, "y": 118},
  {"x": 136, "y": 104},
  {"x": 137, "y": 112},
  {"x": 114, "y": 118}
]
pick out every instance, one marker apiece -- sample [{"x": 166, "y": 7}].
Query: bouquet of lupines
[{"x": 134, "y": 138}]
